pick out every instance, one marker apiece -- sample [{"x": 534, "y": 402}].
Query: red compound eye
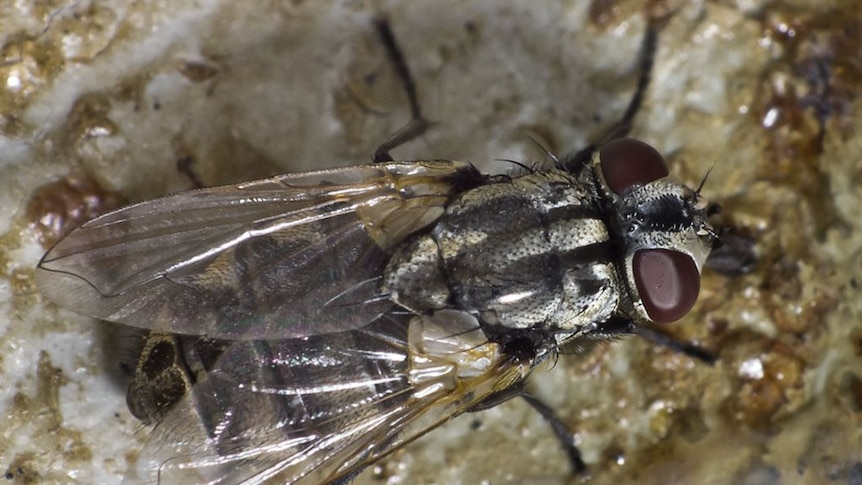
[
  {"x": 627, "y": 162},
  {"x": 668, "y": 283}
]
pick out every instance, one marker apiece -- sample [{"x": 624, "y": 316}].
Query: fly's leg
[
  {"x": 561, "y": 431},
  {"x": 609, "y": 330},
  {"x": 574, "y": 161},
  {"x": 661, "y": 339},
  {"x": 185, "y": 165},
  {"x": 618, "y": 326},
  {"x": 418, "y": 124}
]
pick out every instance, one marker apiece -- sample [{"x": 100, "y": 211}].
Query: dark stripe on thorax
[
  {"x": 597, "y": 253},
  {"x": 573, "y": 212}
]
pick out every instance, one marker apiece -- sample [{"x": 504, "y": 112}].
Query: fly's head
[{"x": 661, "y": 227}]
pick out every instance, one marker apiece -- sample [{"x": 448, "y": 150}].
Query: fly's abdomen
[
  {"x": 301, "y": 387},
  {"x": 309, "y": 397},
  {"x": 531, "y": 252}
]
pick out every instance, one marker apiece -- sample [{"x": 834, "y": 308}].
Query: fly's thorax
[
  {"x": 533, "y": 252},
  {"x": 414, "y": 277},
  {"x": 660, "y": 227}
]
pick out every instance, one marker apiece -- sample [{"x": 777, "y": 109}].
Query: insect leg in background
[
  {"x": 574, "y": 160},
  {"x": 418, "y": 124}
]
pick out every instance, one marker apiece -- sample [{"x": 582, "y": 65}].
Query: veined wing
[
  {"x": 289, "y": 256},
  {"x": 321, "y": 409}
]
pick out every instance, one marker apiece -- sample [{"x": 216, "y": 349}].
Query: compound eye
[
  {"x": 668, "y": 283},
  {"x": 627, "y": 162}
]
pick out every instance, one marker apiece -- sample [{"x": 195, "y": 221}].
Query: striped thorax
[{"x": 559, "y": 253}]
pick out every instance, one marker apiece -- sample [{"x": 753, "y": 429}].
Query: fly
[{"x": 344, "y": 313}]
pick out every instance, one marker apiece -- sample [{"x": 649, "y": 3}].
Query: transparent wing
[
  {"x": 322, "y": 409},
  {"x": 289, "y": 256}
]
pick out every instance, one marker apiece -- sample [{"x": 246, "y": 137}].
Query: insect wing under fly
[{"x": 321, "y": 409}]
